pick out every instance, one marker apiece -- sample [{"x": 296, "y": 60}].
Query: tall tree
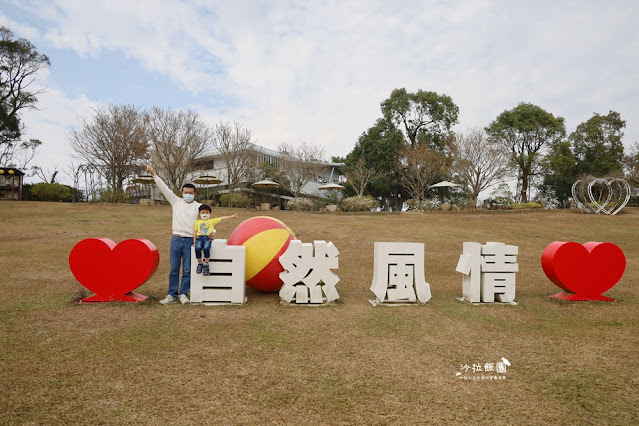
[
  {"x": 20, "y": 63},
  {"x": 234, "y": 143},
  {"x": 524, "y": 131},
  {"x": 114, "y": 141},
  {"x": 597, "y": 144},
  {"x": 301, "y": 163},
  {"x": 418, "y": 168},
  {"x": 425, "y": 114},
  {"x": 477, "y": 163},
  {"x": 177, "y": 139},
  {"x": 631, "y": 164},
  {"x": 379, "y": 146},
  {"x": 559, "y": 173}
]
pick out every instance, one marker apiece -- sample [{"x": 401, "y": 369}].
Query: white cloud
[
  {"x": 292, "y": 70},
  {"x": 19, "y": 29}
]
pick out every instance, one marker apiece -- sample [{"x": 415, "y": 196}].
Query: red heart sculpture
[
  {"x": 584, "y": 272},
  {"x": 113, "y": 271}
]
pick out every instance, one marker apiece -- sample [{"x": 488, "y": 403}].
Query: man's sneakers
[
  {"x": 205, "y": 269},
  {"x": 198, "y": 270},
  {"x": 168, "y": 300}
]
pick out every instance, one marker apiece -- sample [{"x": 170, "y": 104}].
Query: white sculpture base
[
  {"x": 461, "y": 299},
  {"x": 226, "y": 283},
  {"x": 377, "y": 302}
]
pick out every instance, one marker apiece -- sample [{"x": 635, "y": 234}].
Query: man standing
[{"x": 185, "y": 212}]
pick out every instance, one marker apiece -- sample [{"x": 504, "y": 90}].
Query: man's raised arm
[{"x": 164, "y": 189}]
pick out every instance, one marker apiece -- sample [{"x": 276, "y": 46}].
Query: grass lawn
[{"x": 60, "y": 362}]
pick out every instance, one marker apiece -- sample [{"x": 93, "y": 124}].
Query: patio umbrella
[
  {"x": 266, "y": 184},
  {"x": 330, "y": 187},
  {"x": 143, "y": 179},
  {"x": 206, "y": 180},
  {"x": 444, "y": 184}
]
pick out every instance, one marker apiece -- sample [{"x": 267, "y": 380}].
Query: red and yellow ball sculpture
[{"x": 265, "y": 239}]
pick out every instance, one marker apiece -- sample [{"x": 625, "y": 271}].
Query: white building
[{"x": 211, "y": 163}]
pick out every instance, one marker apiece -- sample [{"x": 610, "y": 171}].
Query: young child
[{"x": 203, "y": 234}]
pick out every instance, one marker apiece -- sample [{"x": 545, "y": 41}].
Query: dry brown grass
[{"x": 341, "y": 364}]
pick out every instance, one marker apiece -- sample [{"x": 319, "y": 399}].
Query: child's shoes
[
  {"x": 198, "y": 270},
  {"x": 205, "y": 269}
]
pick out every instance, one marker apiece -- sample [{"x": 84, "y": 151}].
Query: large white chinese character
[
  {"x": 306, "y": 275},
  {"x": 399, "y": 273},
  {"x": 489, "y": 272},
  {"x": 226, "y": 280}
]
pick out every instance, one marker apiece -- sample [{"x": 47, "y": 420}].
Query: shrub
[
  {"x": 422, "y": 204},
  {"x": 529, "y": 205},
  {"x": 302, "y": 204},
  {"x": 50, "y": 192},
  {"x": 365, "y": 203},
  {"x": 234, "y": 199},
  {"x": 110, "y": 196}
]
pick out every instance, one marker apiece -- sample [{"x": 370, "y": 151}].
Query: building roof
[
  {"x": 214, "y": 151},
  {"x": 4, "y": 171}
]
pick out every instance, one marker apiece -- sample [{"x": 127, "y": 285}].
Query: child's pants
[{"x": 203, "y": 243}]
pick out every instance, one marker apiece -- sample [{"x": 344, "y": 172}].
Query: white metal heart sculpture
[{"x": 601, "y": 195}]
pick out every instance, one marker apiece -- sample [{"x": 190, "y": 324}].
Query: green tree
[
  {"x": 20, "y": 63},
  {"x": 379, "y": 146},
  {"x": 631, "y": 164},
  {"x": 559, "y": 173},
  {"x": 525, "y": 130},
  {"x": 424, "y": 116},
  {"x": 597, "y": 144}
]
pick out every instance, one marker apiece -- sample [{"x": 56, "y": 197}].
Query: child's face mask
[{"x": 205, "y": 216}]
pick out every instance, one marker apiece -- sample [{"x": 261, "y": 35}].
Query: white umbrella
[
  {"x": 330, "y": 187},
  {"x": 444, "y": 184},
  {"x": 266, "y": 184}
]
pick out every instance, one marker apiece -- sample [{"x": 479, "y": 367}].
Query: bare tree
[
  {"x": 233, "y": 141},
  {"x": 47, "y": 175},
  {"x": 418, "y": 168},
  {"x": 114, "y": 142},
  {"x": 177, "y": 139},
  {"x": 478, "y": 163},
  {"x": 360, "y": 174},
  {"x": 18, "y": 154},
  {"x": 301, "y": 163}
]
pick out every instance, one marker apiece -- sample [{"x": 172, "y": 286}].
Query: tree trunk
[{"x": 524, "y": 186}]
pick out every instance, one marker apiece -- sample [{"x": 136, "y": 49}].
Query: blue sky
[{"x": 317, "y": 71}]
